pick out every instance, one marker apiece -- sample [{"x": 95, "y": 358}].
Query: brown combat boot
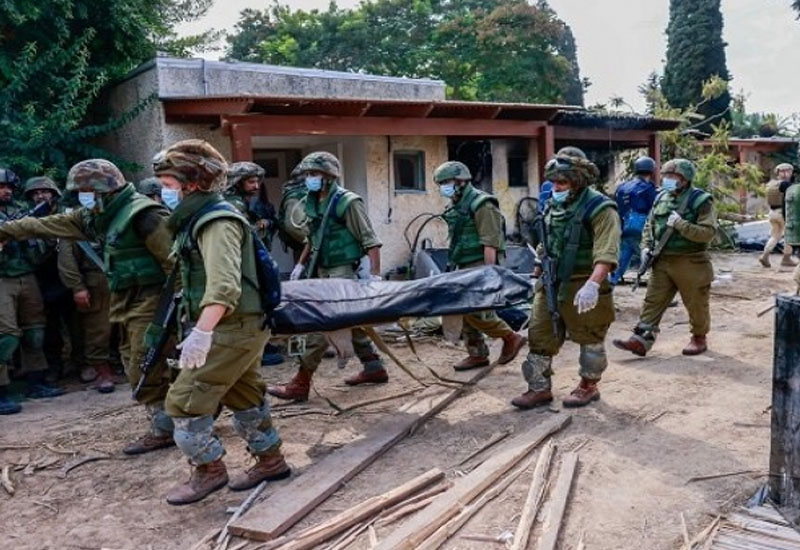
[
  {"x": 696, "y": 346},
  {"x": 105, "y": 378},
  {"x": 787, "y": 261},
  {"x": 512, "y": 343},
  {"x": 205, "y": 479},
  {"x": 296, "y": 390},
  {"x": 532, "y": 399},
  {"x": 379, "y": 376},
  {"x": 632, "y": 345},
  {"x": 268, "y": 467},
  {"x": 471, "y": 362},
  {"x": 764, "y": 260},
  {"x": 148, "y": 443},
  {"x": 585, "y": 393}
]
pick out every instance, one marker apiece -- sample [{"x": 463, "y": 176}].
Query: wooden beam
[
  {"x": 654, "y": 150},
  {"x": 412, "y": 534},
  {"x": 268, "y": 125},
  {"x": 206, "y": 107},
  {"x": 534, "y": 499},
  {"x": 559, "y": 502},
  {"x": 292, "y": 502},
  {"x": 241, "y": 143},
  {"x": 547, "y": 149},
  {"x": 570, "y": 133}
]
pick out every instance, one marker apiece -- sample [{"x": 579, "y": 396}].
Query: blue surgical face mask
[
  {"x": 87, "y": 199},
  {"x": 560, "y": 196},
  {"x": 669, "y": 184},
  {"x": 313, "y": 183},
  {"x": 447, "y": 190},
  {"x": 170, "y": 197}
]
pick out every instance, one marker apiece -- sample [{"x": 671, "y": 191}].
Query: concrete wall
[
  {"x": 510, "y": 196},
  {"x": 391, "y": 211},
  {"x": 197, "y": 77}
]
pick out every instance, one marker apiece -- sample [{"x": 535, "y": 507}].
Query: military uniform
[
  {"x": 475, "y": 223},
  {"x": 776, "y": 189},
  {"x": 340, "y": 234},
  {"x": 683, "y": 265},
  {"x": 582, "y": 231},
  {"x": 150, "y": 188},
  {"x": 256, "y": 208},
  {"x": 292, "y": 221},
  {"x": 136, "y": 247},
  {"x": 217, "y": 268}
]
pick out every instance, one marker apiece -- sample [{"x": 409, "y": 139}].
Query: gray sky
[{"x": 620, "y": 42}]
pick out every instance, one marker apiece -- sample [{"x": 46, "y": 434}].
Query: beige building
[{"x": 390, "y": 134}]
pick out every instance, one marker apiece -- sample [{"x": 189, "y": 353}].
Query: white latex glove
[
  {"x": 586, "y": 298},
  {"x": 296, "y": 272},
  {"x": 644, "y": 253},
  {"x": 194, "y": 349},
  {"x": 673, "y": 219},
  {"x": 375, "y": 278}
]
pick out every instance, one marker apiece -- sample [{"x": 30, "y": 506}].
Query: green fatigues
[
  {"x": 489, "y": 230},
  {"x": 79, "y": 273},
  {"x": 22, "y": 317},
  {"x": 293, "y": 228},
  {"x": 134, "y": 298},
  {"x": 684, "y": 265},
  {"x": 244, "y": 204},
  {"x": 599, "y": 244},
  {"x": 356, "y": 223},
  {"x": 215, "y": 271}
]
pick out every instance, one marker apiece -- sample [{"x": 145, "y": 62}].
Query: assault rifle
[
  {"x": 40, "y": 210},
  {"x": 160, "y": 330},
  {"x": 549, "y": 276}
]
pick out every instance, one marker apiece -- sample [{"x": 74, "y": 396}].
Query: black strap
[{"x": 581, "y": 219}]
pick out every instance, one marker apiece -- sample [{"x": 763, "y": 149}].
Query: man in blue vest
[{"x": 634, "y": 200}]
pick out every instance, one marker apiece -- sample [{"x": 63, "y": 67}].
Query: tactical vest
[
  {"x": 127, "y": 260},
  {"x": 290, "y": 234},
  {"x": 20, "y": 258},
  {"x": 193, "y": 272},
  {"x": 560, "y": 219},
  {"x": 337, "y": 245},
  {"x": 236, "y": 200},
  {"x": 792, "y": 235},
  {"x": 465, "y": 241},
  {"x": 774, "y": 195},
  {"x": 666, "y": 204}
]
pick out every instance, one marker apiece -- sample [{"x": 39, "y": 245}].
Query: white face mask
[
  {"x": 86, "y": 199},
  {"x": 669, "y": 184},
  {"x": 447, "y": 190},
  {"x": 170, "y": 197},
  {"x": 313, "y": 183}
]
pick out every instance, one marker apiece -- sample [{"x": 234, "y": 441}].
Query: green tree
[
  {"x": 695, "y": 53},
  {"x": 55, "y": 60},
  {"x": 796, "y": 6},
  {"x": 483, "y": 49}
]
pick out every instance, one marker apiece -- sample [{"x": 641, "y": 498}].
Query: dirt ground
[{"x": 661, "y": 421}]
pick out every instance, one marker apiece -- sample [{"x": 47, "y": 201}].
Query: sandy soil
[{"x": 662, "y": 420}]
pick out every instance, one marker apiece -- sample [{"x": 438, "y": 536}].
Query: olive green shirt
[
  {"x": 606, "y": 232},
  {"x": 701, "y": 232},
  {"x": 489, "y": 221},
  {"x": 220, "y": 243},
  {"x": 358, "y": 223},
  {"x": 76, "y": 271}
]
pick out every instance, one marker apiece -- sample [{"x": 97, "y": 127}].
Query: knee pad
[
  {"x": 255, "y": 426},
  {"x": 8, "y": 345},
  {"x": 536, "y": 365},
  {"x": 593, "y": 360},
  {"x": 195, "y": 437},
  {"x": 33, "y": 338}
]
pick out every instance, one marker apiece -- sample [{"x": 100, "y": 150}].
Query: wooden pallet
[{"x": 760, "y": 528}]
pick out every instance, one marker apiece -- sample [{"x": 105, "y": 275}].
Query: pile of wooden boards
[{"x": 758, "y": 528}]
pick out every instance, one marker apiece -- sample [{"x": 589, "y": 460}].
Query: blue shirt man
[
  {"x": 634, "y": 200},
  {"x": 545, "y": 192}
]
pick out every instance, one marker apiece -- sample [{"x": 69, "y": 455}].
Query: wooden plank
[
  {"x": 331, "y": 527},
  {"x": 423, "y": 524},
  {"x": 293, "y": 501},
  {"x": 559, "y": 502},
  {"x": 534, "y": 499}
]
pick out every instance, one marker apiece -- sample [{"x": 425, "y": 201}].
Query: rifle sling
[
  {"x": 323, "y": 233},
  {"x": 87, "y": 249},
  {"x": 669, "y": 231}
]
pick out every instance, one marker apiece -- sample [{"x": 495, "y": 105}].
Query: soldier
[
  {"x": 340, "y": 234},
  {"x": 681, "y": 224},
  {"x": 582, "y": 235},
  {"x": 292, "y": 226},
  {"x": 776, "y": 189},
  {"x": 136, "y": 246},
  {"x": 220, "y": 355},
  {"x": 150, "y": 188},
  {"x": 22, "y": 318},
  {"x": 634, "y": 200},
  {"x": 246, "y": 192},
  {"x": 81, "y": 270},
  {"x": 477, "y": 237}
]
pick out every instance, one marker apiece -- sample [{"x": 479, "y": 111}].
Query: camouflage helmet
[
  {"x": 194, "y": 161},
  {"x": 41, "y": 183},
  {"x": 321, "y": 161},
  {"x": 241, "y": 171},
  {"x": 681, "y": 167},
  {"x": 783, "y": 166},
  {"x": 8, "y": 177},
  {"x": 296, "y": 174},
  {"x": 98, "y": 174},
  {"x": 149, "y": 186},
  {"x": 572, "y": 164},
  {"x": 452, "y": 170}
]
